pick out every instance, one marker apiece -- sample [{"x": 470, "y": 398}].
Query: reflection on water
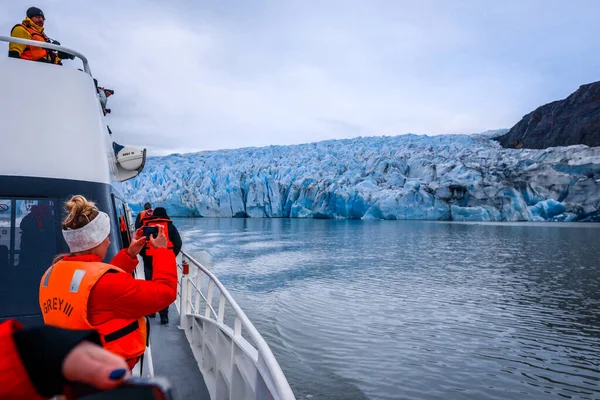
[{"x": 423, "y": 310}]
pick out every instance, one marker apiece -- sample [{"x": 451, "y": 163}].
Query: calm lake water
[{"x": 417, "y": 310}]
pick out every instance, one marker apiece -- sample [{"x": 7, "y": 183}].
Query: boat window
[
  {"x": 28, "y": 243},
  {"x": 35, "y": 238}
]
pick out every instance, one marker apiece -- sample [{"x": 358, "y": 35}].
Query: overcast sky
[{"x": 203, "y": 75}]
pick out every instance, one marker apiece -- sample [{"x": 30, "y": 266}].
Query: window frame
[{"x": 120, "y": 205}]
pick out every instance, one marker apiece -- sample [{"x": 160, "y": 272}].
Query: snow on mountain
[{"x": 448, "y": 177}]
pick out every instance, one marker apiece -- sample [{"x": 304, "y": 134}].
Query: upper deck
[{"x": 51, "y": 123}]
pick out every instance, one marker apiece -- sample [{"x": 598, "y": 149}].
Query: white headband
[{"x": 89, "y": 236}]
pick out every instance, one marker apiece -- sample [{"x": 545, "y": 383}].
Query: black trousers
[{"x": 148, "y": 273}]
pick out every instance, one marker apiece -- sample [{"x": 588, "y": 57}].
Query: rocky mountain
[{"x": 574, "y": 120}]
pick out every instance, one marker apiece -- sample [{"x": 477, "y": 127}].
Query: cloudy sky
[{"x": 203, "y": 75}]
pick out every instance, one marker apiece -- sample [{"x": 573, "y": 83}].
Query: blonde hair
[{"x": 80, "y": 212}]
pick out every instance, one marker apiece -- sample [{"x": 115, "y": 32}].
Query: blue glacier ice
[
  {"x": 547, "y": 209},
  {"x": 446, "y": 177}
]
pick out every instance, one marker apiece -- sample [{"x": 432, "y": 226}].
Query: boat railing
[
  {"x": 232, "y": 366},
  {"x": 50, "y": 46}
]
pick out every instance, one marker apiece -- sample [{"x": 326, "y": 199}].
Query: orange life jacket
[
  {"x": 34, "y": 53},
  {"x": 156, "y": 222},
  {"x": 64, "y": 293},
  {"x": 145, "y": 214},
  {"x": 122, "y": 224}
]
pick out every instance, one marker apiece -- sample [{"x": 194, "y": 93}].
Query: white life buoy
[{"x": 130, "y": 158}]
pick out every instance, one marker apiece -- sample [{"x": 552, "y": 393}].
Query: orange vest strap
[
  {"x": 47, "y": 276},
  {"x": 118, "y": 334},
  {"x": 33, "y": 52},
  {"x": 158, "y": 220},
  {"x": 33, "y": 32}
]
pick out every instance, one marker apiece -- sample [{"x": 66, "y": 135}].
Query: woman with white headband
[{"x": 79, "y": 291}]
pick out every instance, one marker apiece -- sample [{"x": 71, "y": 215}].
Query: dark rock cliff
[{"x": 574, "y": 120}]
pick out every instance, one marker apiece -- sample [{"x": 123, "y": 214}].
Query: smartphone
[
  {"x": 150, "y": 230},
  {"x": 135, "y": 388}
]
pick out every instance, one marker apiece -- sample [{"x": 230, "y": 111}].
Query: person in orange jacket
[
  {"x": 160, "y": 218},
  {"x": 125, "y": 236},
  {"x": 32, "y": 28},
  {"x": 39, "y": 362},
  {"x": 79, "y": 291},
  {"x": 145, "y": 214}
]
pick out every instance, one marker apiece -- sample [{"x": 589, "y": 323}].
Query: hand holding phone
[
  {"x": 150, "y": 231},
  {"x": 137, "y": 243},
  {"x": 160, "y": 241}
]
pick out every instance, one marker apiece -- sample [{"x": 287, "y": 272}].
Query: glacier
[{"x": 445, "y": 177}]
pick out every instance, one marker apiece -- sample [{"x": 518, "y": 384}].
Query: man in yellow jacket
[{"x": 32, "y": 28}]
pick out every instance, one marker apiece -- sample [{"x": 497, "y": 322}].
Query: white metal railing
[
  {"x": 232, "y": 367},
  {"x": 37, "y": 43},
  {"x": 145, "y": 368}
]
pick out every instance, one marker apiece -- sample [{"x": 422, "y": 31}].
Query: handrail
[
  {"x": 264, "y": 352},
  {"x": 204, "y": 298},
  {"x": 36, "y": 43}
]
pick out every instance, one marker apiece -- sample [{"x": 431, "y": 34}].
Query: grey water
[{"x": 417, "y": 310}]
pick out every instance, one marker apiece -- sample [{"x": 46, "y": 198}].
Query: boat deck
[{"x": 173, "y": 359}]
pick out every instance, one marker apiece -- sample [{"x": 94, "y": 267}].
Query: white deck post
[{"x": 184, "y": 297}]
